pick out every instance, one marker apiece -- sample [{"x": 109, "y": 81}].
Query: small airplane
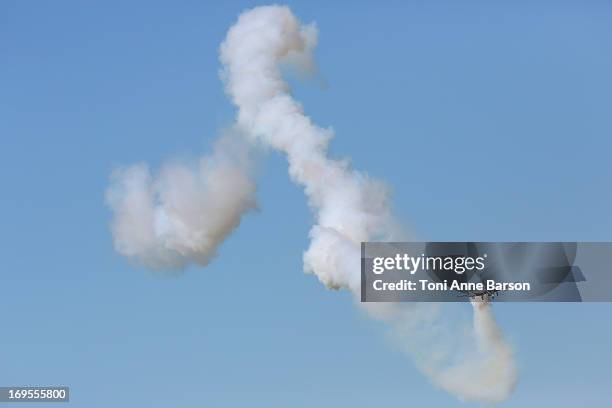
[{"x": 481, "y": 295}]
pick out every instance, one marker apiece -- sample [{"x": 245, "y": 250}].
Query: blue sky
[{"x": 490, "y": 121}]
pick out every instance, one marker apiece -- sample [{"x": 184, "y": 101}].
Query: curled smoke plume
[{"x": 184, "y": 214}]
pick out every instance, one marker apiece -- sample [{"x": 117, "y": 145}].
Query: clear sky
[{"x": 490, "y": 121}]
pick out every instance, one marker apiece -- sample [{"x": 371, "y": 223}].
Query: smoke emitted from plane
[
  {"x": 185, "y": 213},
  {"x": 486, "y": 372}
]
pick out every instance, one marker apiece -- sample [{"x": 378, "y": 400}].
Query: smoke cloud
[
  {"x": 182, "y": 215},
  {"x": 487, "y": 373}
]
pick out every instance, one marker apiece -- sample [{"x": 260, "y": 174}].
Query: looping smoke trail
[
  {"x": 185, "y": 214},
  {"x": 349, "y": 207}
]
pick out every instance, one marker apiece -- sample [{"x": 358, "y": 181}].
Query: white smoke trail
[
  {"x": 184, "y": 215},
  {"x": 486, "y": 373},
  {"x": 186, "y": 212},
  {"x": 349, "y": 207},
  {"x": 475, "y": 364}
]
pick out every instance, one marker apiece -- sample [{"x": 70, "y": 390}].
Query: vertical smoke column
[{"x": 348, "y": 206}]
